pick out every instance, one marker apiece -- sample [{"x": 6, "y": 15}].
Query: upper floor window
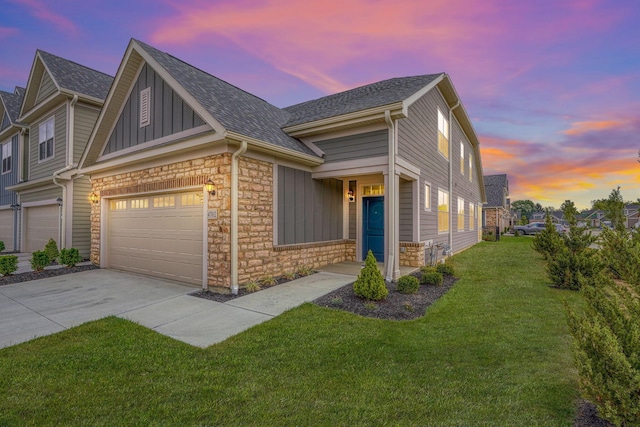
[
  {"x": 470, "y": 167},
  {"x": 6, "y": 157},
  {"x": 45, "y": 139},
  {"x": 427, "y": 197},
  {"x": 443, "y": 211},
  {"x": 462, "y": 157},
  {"x": 443, "y": 134}
]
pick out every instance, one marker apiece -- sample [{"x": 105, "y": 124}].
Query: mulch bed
[
  {"x": 35, "y": 275},
  {"x": 220, "y": 297}
]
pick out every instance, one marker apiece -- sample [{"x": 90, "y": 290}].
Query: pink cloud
[
  {"x": 42, "y": 11},
  {"x": 7, "y": 32}
]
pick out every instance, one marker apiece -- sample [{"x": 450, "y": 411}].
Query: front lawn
[{"x": 495, "y": 350}]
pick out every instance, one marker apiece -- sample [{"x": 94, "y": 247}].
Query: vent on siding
[{"x": 145, "y": 107}]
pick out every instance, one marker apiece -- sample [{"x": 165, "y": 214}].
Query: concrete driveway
[{"x": 42, "y": 307}]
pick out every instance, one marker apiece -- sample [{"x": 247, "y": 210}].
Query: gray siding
[
  {"x": 81, "y": 223},
  {"x": 85, "y": 119},
  {"x": 47, "y": 87},
  {"x": 418, "y": 146},
  {"x": 169, "y": 114},
  {"x": 47, "y": 167},
  {"x": 308, "y": 210},
  {"x": 353, "y": 147},
  {"x": 5, "y": 121},
  {"x": 406, "y": 211},
  {"x": 8, "y": 197},
  {"x": 44, "y": 194}
]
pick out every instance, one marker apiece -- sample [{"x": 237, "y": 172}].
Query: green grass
[{"x": 495, "y": 350}]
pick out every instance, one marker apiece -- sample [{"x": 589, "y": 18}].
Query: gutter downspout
[
  {"x": 392, "y": 194},
  {"x": 70, "y": 135},
  {"x": 451, "y": 176},
  {"x": 234, "y": 216}
]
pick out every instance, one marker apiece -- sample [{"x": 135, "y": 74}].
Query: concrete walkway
[{"x": 46, "y": 306}]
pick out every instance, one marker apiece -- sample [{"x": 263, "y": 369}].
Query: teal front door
[{"x": 373, "y": 227}]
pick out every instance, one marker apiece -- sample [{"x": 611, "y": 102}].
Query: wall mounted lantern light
[
  {"x": 15, "y": 207},
  {"x": 59, "y": 201},
  {"x": 93, "y": 197},
  {"x": 211, "y": 187},
  {"x": 351, "y": 196}
]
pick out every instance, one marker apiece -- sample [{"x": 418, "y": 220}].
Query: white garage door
[
  {"x": 159, "y": 235},
  {"x": 41, "y": 224},
  {"x": 6, "y": 228}
]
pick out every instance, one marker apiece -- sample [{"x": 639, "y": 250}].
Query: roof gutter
[
  {"x": 234, "y": 215},
  {"x": 307, "y": 159},
  {"x": 451, "y": 175}
]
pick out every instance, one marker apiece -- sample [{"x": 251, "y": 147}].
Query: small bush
[
  {"x": 252, "y": 286},
  {"x": 70, "y": 257},
  {"x": 8, "y": 264},
  {"x": 408, "y": 285},
  {"x": 432, "y": 278},
  {"x": 268, "y": 281},
  {"x": 304, "y": 271},
  {"x": 371, "y": 306},
  {"x": 427, "y": 269},
  {"x": 39, "y": 260},
  {"x": 445, "y": 269},
  {"x": 407, "y": 306},
  {"x": 370, "y": 283},
  {"x": 290, "y": 275},
  {"x": 51, "y": 249},
  {"x": 337, "y": 301},
  {"x": 1, "y": 246}
]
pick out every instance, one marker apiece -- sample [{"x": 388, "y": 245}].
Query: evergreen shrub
[{"x": 370, "y": 283}]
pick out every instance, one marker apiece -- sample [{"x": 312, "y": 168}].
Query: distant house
[
  {"x": 497, "y": 211},
  {"x": 557, "y": 217},
  {"x": 196, "y": 180},
  {"x": 632, "y": 214}
]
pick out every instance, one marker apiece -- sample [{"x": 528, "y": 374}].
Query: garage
[
  {"x": 41, "y": 224},
  {"x": 159, "y": 235},
  {"x": 6, "y": 228}
]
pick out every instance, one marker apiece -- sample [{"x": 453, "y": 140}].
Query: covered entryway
[
  {"x": 6, "y": 228},
  {"x": 159, "y": 235},
  {"x": 41, "y": 224}
]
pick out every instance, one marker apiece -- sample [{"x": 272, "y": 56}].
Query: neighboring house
[
  {"x": 557, "y": 217},
  {"x": 196, "y": 180},
  {"x": 60, "y": 106},
  {"x": 12, "y": 136},
  {"x": 497, "y": 210},
  {"x": 632, "y": 214},
  {"x": 591, "y": 218}
]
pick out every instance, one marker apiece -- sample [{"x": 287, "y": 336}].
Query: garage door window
[
  {"x": 191, "y": 199},
  {"x": 164, "y": 202},
  {"x": 140, "y": 203},
  {"x": 118, "y": 205}
]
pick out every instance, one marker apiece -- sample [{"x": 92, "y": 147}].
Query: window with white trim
[
  {"x": 443, "y": 211},
  {"x": 443, "y": 134},
  {"x": 427, "y": 196},
  {"x": 145, "y": 107},
  {"x": 462, "y": 157},
  {"x": 6, "y": 157},
  {"x": 46, "y": 139},
  {"x": 472, "y": 216},
  {"x": 460, "y": 214},
  {"x": 470, "y": 166}
]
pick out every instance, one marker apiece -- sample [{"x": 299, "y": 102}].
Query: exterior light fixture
[
  {"x": 93, "y": 197},
  {"x": 351, "y": 196},
  {"x": 59, "y": 201},
  {"x": 211, "y": 187},
  {"x": 15, "y": 207}
]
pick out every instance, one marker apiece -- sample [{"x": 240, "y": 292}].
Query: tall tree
[
  {"x": 526, "y": 207},
  {"x": 613, "y": 208},
  {"x": 570, "y": 212}
]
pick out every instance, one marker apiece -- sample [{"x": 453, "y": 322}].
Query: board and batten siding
[
  {"x": 8, "y": 197},
  {"x": 406, "y": 211},
  {"x": 49, "y": 193},
  {"x": 81, "y": 222},
  {"x": 354, "y": 147},
  {"x": 169, "y": 114},
  {"x": 46, "y": 168},
  {"x": 47, "y": 87},
  {"x": 309, "y": 210},
  {"x": 85, "y": 119}
]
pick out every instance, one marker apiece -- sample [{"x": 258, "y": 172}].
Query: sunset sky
[{"x": 552, "y": 86}]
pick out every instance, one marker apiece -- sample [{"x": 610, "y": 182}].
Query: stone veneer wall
[
  {"x": 413, "y": 255},
  {"x": 257, "y": 255}
]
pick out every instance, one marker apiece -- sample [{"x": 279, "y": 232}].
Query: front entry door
[{"x": 373, "y": 227}]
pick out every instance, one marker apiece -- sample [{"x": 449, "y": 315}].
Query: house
[
  {"x": 198, "y": 181},
  {"x": 61, "y": 103},
  {"x": 632, "y": 214},
  {"x": 497, "y": 210},
  {"x": 591, "y": 218},
  {"x": 12, "y": 136},
  {"x": 557, "y": 217}
]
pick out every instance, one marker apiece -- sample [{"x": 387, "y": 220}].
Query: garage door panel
[
  {"x": 163, "y": 240},
  {"x": 41, "y": 224}
]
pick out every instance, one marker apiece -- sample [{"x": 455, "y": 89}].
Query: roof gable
[
  {"x": 10, "y": 107},
  {"x": 496, "y": 188}
]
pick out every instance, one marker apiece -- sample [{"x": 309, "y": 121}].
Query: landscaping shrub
[
  {"x": 8, "y": 264},
  {"x": 445, "y": 269},
  {"x": 575, "y": 264},
  {"x": 427, "y": 269},
  {"x": 51, "y": 249},
  {"x": 1, "y": 246},
  {"x": 39, "y": 260},
  {"x": 432, "y": 278},
  {"x": 268, "y": 281},
  {"x": 252, "y": 286},
  {"x": 408, "y": 285},
  {"x": 548, "y": 242},
  {"x": 70, "y": 257},
  {"x": 370, "y": 283},
  {"x": 620, "y": 251}
]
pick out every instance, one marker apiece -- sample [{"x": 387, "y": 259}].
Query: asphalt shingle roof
[
  {"x": 235, "y": 109},
  {"x": 77, "y": 78},
  {"x": 494, "y": 186},
  {"x": 361, "y": 98},
  {"x": 12, "y": 103}
]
